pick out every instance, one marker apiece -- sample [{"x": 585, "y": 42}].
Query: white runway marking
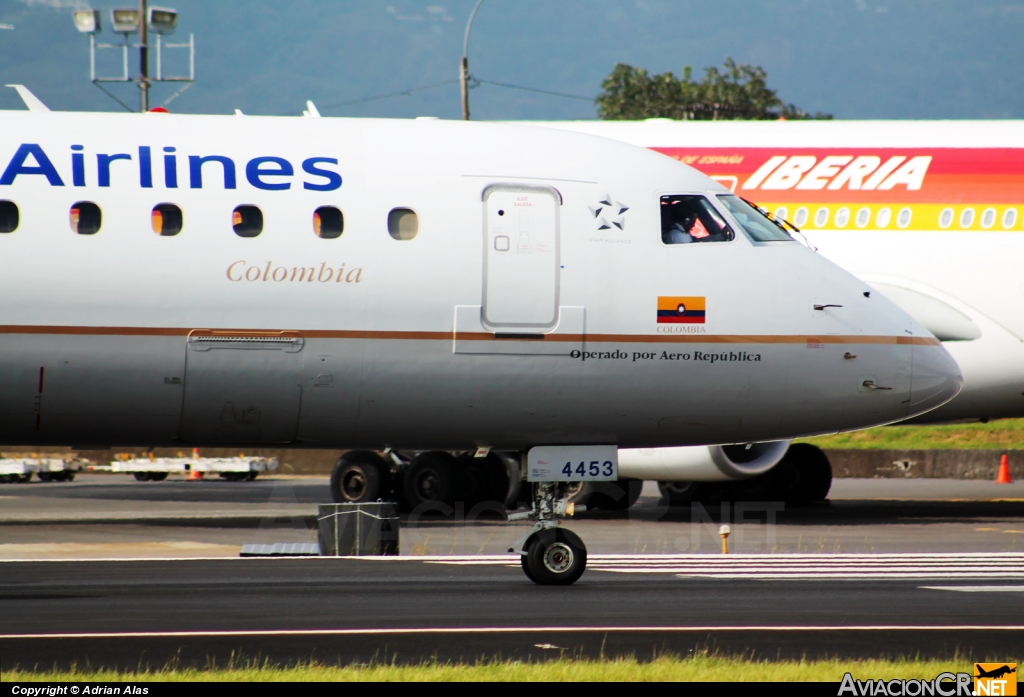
[
  {"x": 521, "y": 630},
  {"x": 977, "y": 589},
  {"x": 792, "y": 567},
  {"x": 767, "y": 567}
]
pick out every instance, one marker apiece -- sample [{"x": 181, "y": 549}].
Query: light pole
[
  {"x": 464, "y": 63},
  {"x": 159, "y": 20},
  {"x": 143, "y": 60}
]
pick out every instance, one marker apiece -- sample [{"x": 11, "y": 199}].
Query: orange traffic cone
[
  {"x": 1004, "y": 471},
  {"x": 194, "y": 475}
]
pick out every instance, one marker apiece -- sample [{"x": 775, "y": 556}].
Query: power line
[
  {"x": 403, "y": 93},
  {"x": 534, "y": 89},
  {"x": 103, "y": 89}
]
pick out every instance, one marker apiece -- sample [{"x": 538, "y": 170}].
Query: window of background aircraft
[
  {"x": 1009, "y": 218},
  {"x": 403, "y": 223},
  {"x": 8, "y": 216},
  {"x": 821, "y": 217},
  {"x": 86, "y": 218},
  {"x": 988, "y": 218},
  {"x": 328, "y": 222},
  {"x": 757, "y": 226},
  {"x": 863, "y": 217},
  {"x": 167, "y": 220},
  {"x": 946, "y": 218},
  {"x": 688, "y": 219},
  {"x": 883, "y": 218},
  {"x": 247, "y": 221},
  {"x": 967, "y": 218},
  {"x": 903, "y": 219},
  {"x": 800, "y": 217},
  {"x": 842, "y": 216}
]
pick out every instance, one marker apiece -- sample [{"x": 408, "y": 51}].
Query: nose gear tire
[
  {"x": 555, "y": 557},
  {"x": 524, "y": 560}
]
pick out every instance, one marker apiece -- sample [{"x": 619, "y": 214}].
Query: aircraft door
[
  {"x": 521, "y": 256},
  {"x": 242, "y": 388}
]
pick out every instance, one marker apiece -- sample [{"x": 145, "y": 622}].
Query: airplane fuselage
[
  {"x": 930, "y": 213},
  {"x": 489, "y": 285}
]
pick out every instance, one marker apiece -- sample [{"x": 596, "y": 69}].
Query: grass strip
[
  {"x": 1002, "y": 434},
  {"x": 699, "y": 667}
]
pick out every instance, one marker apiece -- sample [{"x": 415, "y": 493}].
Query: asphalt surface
[
  {"x": 114, "y": 516},
  {"x": 131, "y": 613},
  {"x": 888, "y": 567}
]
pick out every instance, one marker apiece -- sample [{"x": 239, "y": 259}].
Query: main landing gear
[{"x": 550, "y": 555}]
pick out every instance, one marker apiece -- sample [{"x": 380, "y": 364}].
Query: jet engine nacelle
[{"x": 713, "y": 463}]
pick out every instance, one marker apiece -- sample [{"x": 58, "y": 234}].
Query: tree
[{"x": 739, "y": 91}]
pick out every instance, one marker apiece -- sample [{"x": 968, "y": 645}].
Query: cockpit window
[
  {"x": 756, "y": 224},
  {"x": 687, "y": 218}
]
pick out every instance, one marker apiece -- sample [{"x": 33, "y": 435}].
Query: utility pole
[
  {"x": 464, "y": 82},
  {"x": 143, "y": 60},
  {"x": 464, "y": 63}
]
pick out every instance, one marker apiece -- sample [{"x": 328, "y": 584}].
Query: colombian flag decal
[{"x": 674, "y": 309}]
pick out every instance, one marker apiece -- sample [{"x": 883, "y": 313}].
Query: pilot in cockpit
[{"x": 687, "y": 221}]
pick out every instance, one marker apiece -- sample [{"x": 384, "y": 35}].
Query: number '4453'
[{"x": 593, "y": 468}]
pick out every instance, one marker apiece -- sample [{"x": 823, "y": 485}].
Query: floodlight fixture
[
  {"x": 125, "y": 21},
  {"x": 162, "y": 20},
  {"x": 87, "y": 21},
  {"x": 139, "y": 20}
]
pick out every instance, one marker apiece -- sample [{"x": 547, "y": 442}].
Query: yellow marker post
[{"x": 724, "y": 531}]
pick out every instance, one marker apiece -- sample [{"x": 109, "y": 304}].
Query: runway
[
  {"x": 108, "y": 516},
  {"x": 890, "y": 567},
  {"x": 123, "y": 613}
]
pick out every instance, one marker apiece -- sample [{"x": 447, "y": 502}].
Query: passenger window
[
  {"x": 86, "y": 218},
  {"x": 403, "y": 224},
  {"x": 328, "y": 222},
  {"x": 8, "y": 216},
  {"x": 686, "y": 219},
  {"x": 758, "y": 226},
  {"x": 167, "y": 220},
  {"x": 247, "y": 221}
]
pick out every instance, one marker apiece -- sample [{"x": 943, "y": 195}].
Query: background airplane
[{"x": 930, "y": 213}]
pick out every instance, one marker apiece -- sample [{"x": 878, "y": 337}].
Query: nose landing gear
[{"x": 550, "y": 555}]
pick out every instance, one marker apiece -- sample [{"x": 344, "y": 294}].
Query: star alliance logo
[{"x": 608, "y": 208}]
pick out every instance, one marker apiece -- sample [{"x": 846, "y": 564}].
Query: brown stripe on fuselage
[{"x": 473, "y": 336}]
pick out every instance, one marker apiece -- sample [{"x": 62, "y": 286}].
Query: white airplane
[
  {"x": 419, "y": 284},
  {"x": 929, "y": 213}
]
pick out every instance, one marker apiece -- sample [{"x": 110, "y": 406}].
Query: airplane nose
[{"x": 935, "y": 377}]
